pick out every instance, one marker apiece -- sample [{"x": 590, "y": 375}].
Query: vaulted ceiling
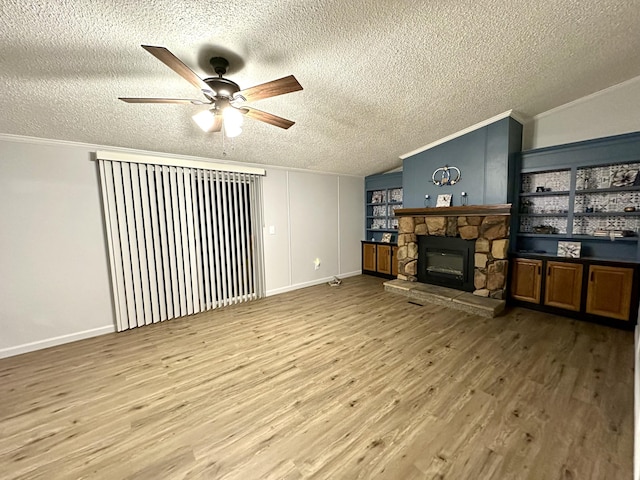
[{"x": 380, "y": 77}]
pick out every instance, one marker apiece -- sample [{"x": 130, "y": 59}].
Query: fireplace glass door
[{"x": 446, "y": 261}]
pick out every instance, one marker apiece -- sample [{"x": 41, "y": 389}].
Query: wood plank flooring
[{"x": 344, "y": 382}]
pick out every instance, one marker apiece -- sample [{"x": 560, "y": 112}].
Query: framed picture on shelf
[
  {"x": 569, "y": 249},
  {"x": 624, "y": 178},
  {"x": 444, "y": 200},
  {"x": 386, "y": 237}
]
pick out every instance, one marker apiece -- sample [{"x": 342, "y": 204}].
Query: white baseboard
[
  {"x": 52, "y": 342},
  {"x": 291, "y": 288}
]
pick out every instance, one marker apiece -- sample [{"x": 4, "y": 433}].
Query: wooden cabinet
[
  {"x": 384, "y": 259},
  {"x": 563, "y": 287},
  {"x": 369, "y": 256},
  {"x": 379, "y": 259},
  {"x": 592, "y": 289},
  {"x": 526, "y": 275},
  {"x": 609, "y": 291}
]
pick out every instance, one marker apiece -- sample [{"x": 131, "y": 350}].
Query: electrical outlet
[{"x": 316, "y": 263}]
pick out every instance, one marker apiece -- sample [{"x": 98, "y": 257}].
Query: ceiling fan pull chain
[{"x": 224, "y": 135}]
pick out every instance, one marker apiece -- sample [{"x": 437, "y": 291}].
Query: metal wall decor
[{"x": 446, "y": 176}]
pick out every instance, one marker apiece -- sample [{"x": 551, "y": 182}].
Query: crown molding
[
  {"x": 580, "y": 100},
  {"x": 125, "y": 150},
  {"x": 509, "y": 113}
]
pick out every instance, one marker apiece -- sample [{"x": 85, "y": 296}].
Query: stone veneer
[{"x": 490, "y": 232}]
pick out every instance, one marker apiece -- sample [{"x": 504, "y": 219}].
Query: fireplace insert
[{"x": 446, "y": 261}]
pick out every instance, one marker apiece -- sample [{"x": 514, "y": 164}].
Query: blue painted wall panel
[
  {"x": 485, "y": 157},
  {"x": 466, "y": 152}
]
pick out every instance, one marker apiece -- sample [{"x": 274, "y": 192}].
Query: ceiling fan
[{"x": 225, "y": 96}]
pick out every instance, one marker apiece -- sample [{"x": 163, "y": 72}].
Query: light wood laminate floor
[{"x": 338, "y": 383}]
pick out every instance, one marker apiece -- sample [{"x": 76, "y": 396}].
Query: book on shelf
[{"x": 614, "y": 233}]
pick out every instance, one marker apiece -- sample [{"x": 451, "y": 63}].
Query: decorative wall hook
[{"x": 446, "y": 175}]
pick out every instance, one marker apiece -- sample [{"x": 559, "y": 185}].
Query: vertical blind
[{"x": 182, "y": 238}]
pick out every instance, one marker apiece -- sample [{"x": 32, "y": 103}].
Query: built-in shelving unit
[
  {"x": 571, "y": 192},
  {"x": 383, "y": 195},
  {"x": 578, "y": 193}
]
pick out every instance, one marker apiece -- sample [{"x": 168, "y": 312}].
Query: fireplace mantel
[{"x": 466, "y": 211}]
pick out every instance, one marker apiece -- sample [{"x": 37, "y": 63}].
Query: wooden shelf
[
  {"x": 544, "y": 194},
  {"x": 607, "y": 214},
  {"x": 565, "y": 236},
  {"x": 632, "y": 188},
  {"x": 545, "y": 235},
  {"x": 544, "y": 214},
  {"x": 605, "y": 239}
]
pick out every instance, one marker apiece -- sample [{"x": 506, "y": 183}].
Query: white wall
[
  {"x": 54, "y": 279},
  {"x": 313, "y": 215},
  {"x": 351, "y": 207},
  {"x": 613, "y": 111},
  {"x": 54, "y": 272}
]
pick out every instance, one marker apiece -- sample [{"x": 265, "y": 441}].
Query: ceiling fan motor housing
[{"x": 221, "y": 87}]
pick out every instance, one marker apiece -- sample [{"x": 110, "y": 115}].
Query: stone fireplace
[{"x": 487, "y": 225}]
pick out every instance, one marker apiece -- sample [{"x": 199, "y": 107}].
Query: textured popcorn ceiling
[{"x": 381, "y": 78}]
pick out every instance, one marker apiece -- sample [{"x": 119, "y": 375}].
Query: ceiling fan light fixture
[
  {"x": 232, "y": 117},
  {"x": 232, "y": 130},
  {"x": 205, "y": 119}
]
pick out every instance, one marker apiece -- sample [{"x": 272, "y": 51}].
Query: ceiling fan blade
[
  {"x": 163, "y": 100},
  {"x": 175, "y": 64},
  {"x": 267, "y": 117},
  {"x": 270, "y": 89}
]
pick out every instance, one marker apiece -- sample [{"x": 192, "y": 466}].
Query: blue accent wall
[{"x": 485, "y": 157}]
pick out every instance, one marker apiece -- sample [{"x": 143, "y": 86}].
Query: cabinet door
[
  {"x": 384, "y": 259},
  {"x": 369, "y": 257},
  {"x": 526, "y": 275},
  {"x": 609, "y": 291},
  {"x": 564, "y": 285},
  {"x": 394, "y": 261}
]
